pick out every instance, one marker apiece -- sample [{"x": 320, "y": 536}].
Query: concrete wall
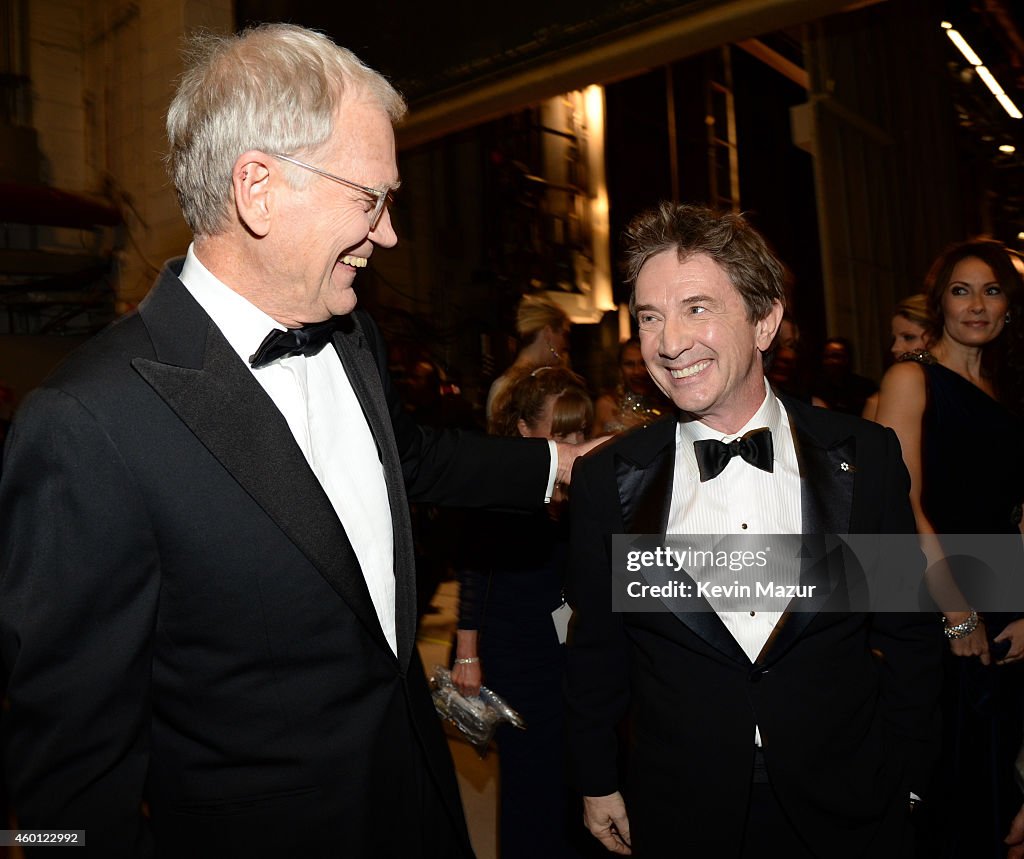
[{"x": 103, "y": 72}]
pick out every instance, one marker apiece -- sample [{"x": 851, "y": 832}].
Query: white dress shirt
[
  {"x": 323, "y": 413},
  {"x": 743, "y": 499}
]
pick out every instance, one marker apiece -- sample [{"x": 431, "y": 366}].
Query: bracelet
[
  {"x": 962, "y": 629},
  {"x": 469, "y": 660}
]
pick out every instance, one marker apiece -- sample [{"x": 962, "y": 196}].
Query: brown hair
[
  {"x": 989, "y": 251},
  {"x": 726, "y": 238},
  {"x": 1002, "y": 360},
  {"x": 527, "y": 392},
  {"x": 632, "y": 342}
]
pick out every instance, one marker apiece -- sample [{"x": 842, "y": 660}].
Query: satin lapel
[
  {"x": 364, "y": 376},
  {"x": 644, "y": 476},
  {"x": 645, "y": 491},
  {"x": 230, "y": 413},
  {"x": 826, "y": 482},
  {"x": 827, "y": 469}
]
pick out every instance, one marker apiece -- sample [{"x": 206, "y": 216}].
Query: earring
[{"x": 1006, "y": 318}]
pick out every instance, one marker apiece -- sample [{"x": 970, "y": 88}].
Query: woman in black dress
[
  {"x": 957, "y": 410},
  {"x": 510, "y": 586}
]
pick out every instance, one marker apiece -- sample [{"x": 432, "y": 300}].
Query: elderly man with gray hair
[{"x": 207, "y": 596}]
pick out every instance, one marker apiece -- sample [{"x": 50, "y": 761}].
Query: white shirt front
[
  {"x": 743, "y": 499},
  {"x": 323, "y": 413}
]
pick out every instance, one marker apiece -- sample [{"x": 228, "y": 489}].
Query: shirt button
[
  {"x": 753, "y": 614},
  {"x": 744, "y": 526}
]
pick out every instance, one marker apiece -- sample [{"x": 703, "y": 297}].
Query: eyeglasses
[{"x": 382, "y": 199}]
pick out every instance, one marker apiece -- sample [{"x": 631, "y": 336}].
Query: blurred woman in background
[
  {"x": 957, "y": 410},
  {"x": 636, "y": 400},
  {"x": 912, "y": 330},
  {"x": 512, "y": 622},
  {"x": 911, "y": 325},
  {"x": 543, "y": 329}
]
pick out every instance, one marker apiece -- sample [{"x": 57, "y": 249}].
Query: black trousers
[{"x": 768, "y": 831}]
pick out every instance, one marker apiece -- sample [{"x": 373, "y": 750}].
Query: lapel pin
[{"x": 845, "y": 466}]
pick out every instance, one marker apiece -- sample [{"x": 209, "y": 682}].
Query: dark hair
[
  {"x": 1002, "y": 360},
  {"x": 845, "y": 342},
  {"x": 632, "y": 342},
  {"x": 726, "y": 238},
  {"x": 527, "y": 392}
]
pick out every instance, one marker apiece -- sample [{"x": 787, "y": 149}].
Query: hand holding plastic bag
[{"x": 475, "y": 717}]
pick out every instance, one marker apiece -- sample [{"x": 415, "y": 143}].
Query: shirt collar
[
  {"x": 768, "y": 414},
  {"x": 242, "y": 323}
]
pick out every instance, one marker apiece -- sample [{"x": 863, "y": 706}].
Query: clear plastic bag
[{"x": 475, "y": 717}]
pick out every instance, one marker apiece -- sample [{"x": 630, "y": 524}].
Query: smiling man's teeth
[
  {"x": 692, "y": 370},
  {"x": 355, "y": 262}
]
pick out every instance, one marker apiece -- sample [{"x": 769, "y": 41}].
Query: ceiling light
[
  {"x": 965, "y": 49},
  {"x": 1009, "y": 106},
  {"x": 983, "y": 72},
  {"x": 1008, "y": 148}
]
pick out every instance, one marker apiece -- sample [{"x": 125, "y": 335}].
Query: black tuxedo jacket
[
  {"x": 183, "y": 619},
  {"x": 846, "y": 733}
]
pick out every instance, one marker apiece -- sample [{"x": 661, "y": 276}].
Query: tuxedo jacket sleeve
[
  {"x": 78, "y": 602},
  {"x": 909, "y": 647},
  {"x": 599, "y": 647},
  {"x": 455, "y": 467}
]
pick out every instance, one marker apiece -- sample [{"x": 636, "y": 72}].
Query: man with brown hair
[{"x": 763, "y": 733}]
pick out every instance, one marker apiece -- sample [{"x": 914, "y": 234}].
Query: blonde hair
[
  {"x": 914, "y": 308},
  {"x": 535, "y": 313},
  {"x": 276, "y": 88}
]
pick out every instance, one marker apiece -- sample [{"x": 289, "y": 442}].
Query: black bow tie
[
  {"x": 307, "y": 340},
  {"x": 713, "y": 455}
]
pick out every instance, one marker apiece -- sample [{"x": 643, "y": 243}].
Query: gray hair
[
  {"x": 727, "y": 238},
  {"x": 274, "y": 87}
]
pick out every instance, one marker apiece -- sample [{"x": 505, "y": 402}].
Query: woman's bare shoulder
[{"x": 903, "y": 375}]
